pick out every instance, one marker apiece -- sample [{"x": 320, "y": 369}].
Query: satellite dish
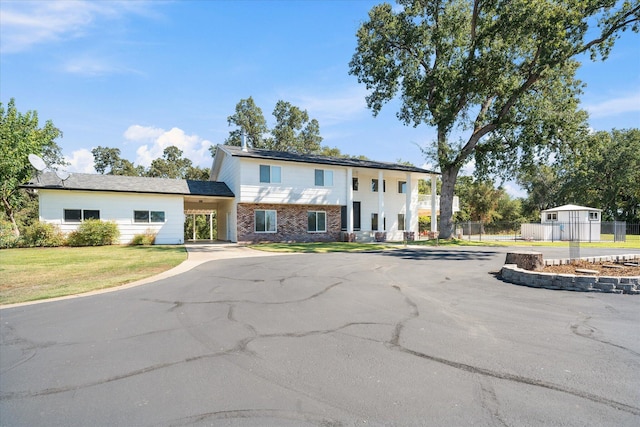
[
  {"x": 37, "y": 162},
  {"x": 63, "y": 175}
]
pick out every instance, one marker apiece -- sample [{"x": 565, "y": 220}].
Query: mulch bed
[{"x": 599, "y": 267}]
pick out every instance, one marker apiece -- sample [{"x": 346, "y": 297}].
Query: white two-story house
[{"x": 257, "y": 196}]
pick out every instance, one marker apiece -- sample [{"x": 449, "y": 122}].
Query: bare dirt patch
[{"x": 603, "y": 269}]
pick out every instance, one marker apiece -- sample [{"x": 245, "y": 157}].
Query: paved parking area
[{"x": 422, "y": 336}]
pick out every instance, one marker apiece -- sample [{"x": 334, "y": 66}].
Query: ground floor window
[
  {"x": 401, "y": 222},
  {"x": 148, "y": 216},
  {"x": 317, "y": 221},
  {"x": 374, "y": 222},
  {"x": 78, "y": 215},
  {"x": 265, "y": 221}
]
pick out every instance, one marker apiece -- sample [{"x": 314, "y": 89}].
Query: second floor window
[
  {"x": 402, "y": 187},
  {"x": 270, "y": 174},
  {"x": 323, "y": 178}
]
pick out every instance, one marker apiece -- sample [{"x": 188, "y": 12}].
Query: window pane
[
  {"x": 260, "y": 221},
  {"x": 72, "y": 215},
  {"x": 374, "y": 185},
  {"x": 401, "y": 222},
  {"x": 328, "y": 178},
  {"x": 157, "y": 216},
  {"x": 343, "y": 218},
  {"x": 402, "y": 187},
  {"x": 90, "y": 214},
  {"x": 276, "y": 174},
  {"x": 265, "y": 173},
  {"x": 319, "y": 177},
  {"x": 355, "y": 184},
  {"x": 140, "y": 216},
  {"x": 374, "y": 222},
  {"x": 270, "y": 220},
  {"x": 321, "y": 221},
  {"x": 311, "y": 221}
]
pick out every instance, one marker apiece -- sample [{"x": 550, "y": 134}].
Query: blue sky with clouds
[{"x": 143, "y": 75}]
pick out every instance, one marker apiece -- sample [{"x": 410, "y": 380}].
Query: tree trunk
[
  {"x": 449, "y": 177},
  {"x": 8, "y": 209}
]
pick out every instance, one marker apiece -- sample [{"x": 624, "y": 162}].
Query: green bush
[
  {"x": 7, "y": 238},
  {"x": 146, "y": 239},
  {"x": 94, "y": 232},
  {"x": 42, "y": 234}
]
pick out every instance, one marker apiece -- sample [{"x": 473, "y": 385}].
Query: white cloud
[
  {"x": 24, "y": 24},
  {"x": 153, "y": 141},
  {"x": 616, "y": 106},
  {"x": 92, "y": 66},
  {"x": 81, "y": 161}
]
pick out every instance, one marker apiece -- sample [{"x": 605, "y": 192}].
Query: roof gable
[{"x": 566, "y": 208}]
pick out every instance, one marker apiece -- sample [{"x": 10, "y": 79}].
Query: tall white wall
[{"x": 117, "y": 207}]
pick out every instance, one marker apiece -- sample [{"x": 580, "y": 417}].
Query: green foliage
[
  {"x": 602, "y": 170},
  {"x": 503, "y": 72},
  {"x": 293, "y": 130},
  {"x": 424, "y": 224},
  {"x": 94, "y": 232},
  {"x": 8, "y": 238},
  {"x": 146, "y": 239},
  {"x": 42, "y": 234},
  {"x": 202, "y": 227},
  {"x": 21, "y": 135},
  {"x": 249, "y": 119},
  {"x": 108, "y": 160},
  {"x": 171, "y": 165}
]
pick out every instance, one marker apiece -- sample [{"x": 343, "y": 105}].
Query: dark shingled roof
[
  {"x": 323, "y": 160},
  {"x": 130, "y": 184}
]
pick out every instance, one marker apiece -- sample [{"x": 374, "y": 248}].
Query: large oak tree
[{"x": 496, "y": 78}]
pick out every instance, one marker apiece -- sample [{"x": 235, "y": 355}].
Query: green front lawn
[{"x": 38, "y": 273}]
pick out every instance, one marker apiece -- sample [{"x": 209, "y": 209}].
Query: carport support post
[
  {"x": 193, "y": 216},
  {"x": 211, "y": 225}
]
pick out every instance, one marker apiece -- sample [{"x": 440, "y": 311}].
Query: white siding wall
[
  {"x": 117, "y": 207},
  {"x": 297, "y": 186},
  {"x": 230, "y": 174}
]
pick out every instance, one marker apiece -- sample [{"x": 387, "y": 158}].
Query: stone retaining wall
[{"x": 572, "y": 282}]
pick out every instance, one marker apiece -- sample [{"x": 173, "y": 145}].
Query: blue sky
[{"x": 143, "y": 75}]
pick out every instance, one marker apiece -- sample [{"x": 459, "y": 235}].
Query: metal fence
[{"x": 592, "y": 231}]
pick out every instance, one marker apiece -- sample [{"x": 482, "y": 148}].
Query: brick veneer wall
[{"x": 291, "y": 223}]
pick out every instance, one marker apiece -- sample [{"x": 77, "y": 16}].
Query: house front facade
[
  {"x": 255, "y": 195},
  {"x": 282, "y": 196}
]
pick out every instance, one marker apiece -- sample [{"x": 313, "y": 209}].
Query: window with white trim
[
  {"x": 402, "y": 187},
  {"x": 270, "y": 174},
  {"x": 323, "y": 178},
  {"x": 265, "y": 221},
  {"x": 374, "y": 185},
  {"x": 316, "y": 222},
  {"x": 79, "y": 215},
  {"x": 148, "y": 216},
  {"x": 552, "y": 216},
  {"x": 354, "y": 184},
  {"x": 374, "y": 222},
  {"x": 593, "y": 216}
]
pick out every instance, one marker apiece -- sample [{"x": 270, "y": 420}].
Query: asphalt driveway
[{"x": 409, "y": 337}]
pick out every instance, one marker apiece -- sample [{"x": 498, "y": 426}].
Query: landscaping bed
[{"x": 602, "y": 269}]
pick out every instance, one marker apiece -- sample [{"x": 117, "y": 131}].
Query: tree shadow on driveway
[{"x": 442, "y": 254}]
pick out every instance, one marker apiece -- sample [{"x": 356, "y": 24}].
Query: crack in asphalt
[
  {"x": 276, "y": 414},
  {"x": 393, "y": 343},
  {"x": 584, "y": 330}
]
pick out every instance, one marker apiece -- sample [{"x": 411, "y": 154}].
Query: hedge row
[{"x": 41, "y": 234}]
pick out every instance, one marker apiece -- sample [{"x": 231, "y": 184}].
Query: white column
[
  {"x": 193, "y": 216},
  {"x": 350, "y": 200},
  {"x": 434, "y": 215},
  {"x": 210, "y": 225},
  {"x": 381, "y": 226},
  {"x": 408, "y": 213}
]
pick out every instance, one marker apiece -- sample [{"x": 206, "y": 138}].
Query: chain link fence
[{"x": 614, "y": 231}]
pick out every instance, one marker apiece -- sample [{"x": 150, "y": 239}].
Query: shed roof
[
  {"x": 565, "y": 208},
  {"x": 316, "y": 159},
  {"x": 130, "y": 184}
]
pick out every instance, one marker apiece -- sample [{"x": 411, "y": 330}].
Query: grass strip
[{"x": 31, "y": 274}]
